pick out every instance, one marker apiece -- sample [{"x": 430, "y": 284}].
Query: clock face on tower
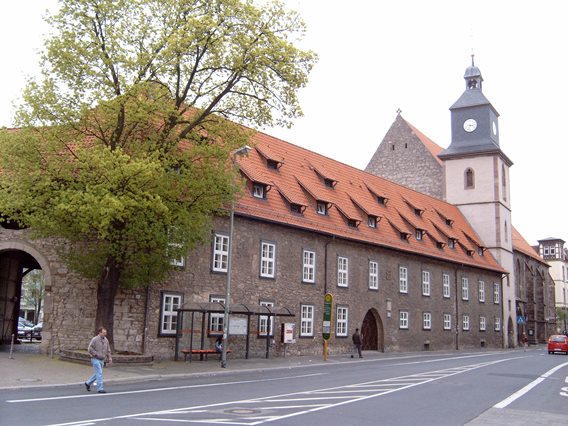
[{"x": 469, "y": 125}]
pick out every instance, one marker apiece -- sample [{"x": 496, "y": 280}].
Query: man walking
[
  {"x": 357, "y": 342},
  {"x": 99, "y": 351}
]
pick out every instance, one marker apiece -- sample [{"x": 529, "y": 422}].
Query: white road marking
[
  {"x": 161, "y": 389},
  {"x": 528, "y": 387}
]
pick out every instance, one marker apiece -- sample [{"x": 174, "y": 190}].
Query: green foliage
[{"x": 124, "y": 143}]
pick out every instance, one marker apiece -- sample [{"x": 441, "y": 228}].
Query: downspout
[
  {"x": 502, "y": 289},
  {"x": 325, "y": 265},
  {"x": 457, "y": 307}
]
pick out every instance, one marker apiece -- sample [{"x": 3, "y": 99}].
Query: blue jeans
[{"x": 97, "y": 373}]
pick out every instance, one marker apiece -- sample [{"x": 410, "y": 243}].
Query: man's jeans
[{"x": 98, "y": 373}]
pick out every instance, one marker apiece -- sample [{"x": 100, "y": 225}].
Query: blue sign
[{"x": 521, "y": 320}]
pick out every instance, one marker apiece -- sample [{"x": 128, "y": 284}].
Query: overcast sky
[{"x": 376, "y": 57}]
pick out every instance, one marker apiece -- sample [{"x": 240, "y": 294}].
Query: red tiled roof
[
  {"x": 520, "y": 244},
  {"x": 430, "y": 145},
  {"x": 300, "y": 179}
]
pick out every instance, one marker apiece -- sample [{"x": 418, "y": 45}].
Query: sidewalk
[{"x": 29, "y": 369}]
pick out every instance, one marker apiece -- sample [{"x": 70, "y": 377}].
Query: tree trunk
[{"x": 106, "y": 293}]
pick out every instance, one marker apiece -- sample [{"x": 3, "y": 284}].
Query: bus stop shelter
[{"x": 196, "y": 311}]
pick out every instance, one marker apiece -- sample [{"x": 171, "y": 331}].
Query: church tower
[{"x": 477, "y": 181}]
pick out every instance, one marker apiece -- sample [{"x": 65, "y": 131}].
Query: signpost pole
[{"x": 326, "y": 328}]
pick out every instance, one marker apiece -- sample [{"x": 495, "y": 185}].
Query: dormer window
[
  {"x": 418, "y": 234},
  {"x": 470, "y": 253},
  {"x": 372, "y": 222},
  {"x": 451, "y": 243},
  {"x": 404, "y": 236},
  {"x": 439, "y": 244},
  {"x": 296, "y": 208},
  {"x": 330, "y": 183},
  {"x": 381, "y": 200},
  {"x": 480, "y": 251},
  {"x": 272, "y": 164},
  {"x": 449, "y": 222},
  {"x": 352, "y": 223},
  {"x": 418, "y": 212},
  {"x": 258, "y": 190},
  {"x": 321, "y": 208}
]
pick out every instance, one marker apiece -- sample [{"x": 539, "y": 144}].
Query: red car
[{"x": 558, "y": 343}]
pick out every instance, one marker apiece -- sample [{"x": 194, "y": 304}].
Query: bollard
[{"x": 12, "y": 347}]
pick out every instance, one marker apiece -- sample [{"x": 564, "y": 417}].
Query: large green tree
[{"x": 124, "y": 140}]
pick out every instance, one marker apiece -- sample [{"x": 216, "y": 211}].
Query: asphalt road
[{"x": 454, "y": 388}]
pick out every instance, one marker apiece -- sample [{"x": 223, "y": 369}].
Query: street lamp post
[{"x": 241, "y": 151}]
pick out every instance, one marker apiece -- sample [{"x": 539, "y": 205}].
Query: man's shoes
[
  {"x": 102, "y": 391},
  {"x": 88, "y": 387}
]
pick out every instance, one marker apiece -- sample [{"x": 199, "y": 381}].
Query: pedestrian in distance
[
  {"x": 357, "y": 342},
  {"x": 525, "y": 341},
  {"x": 219, "y": 344},
  {"x": 99, "y": 351}
]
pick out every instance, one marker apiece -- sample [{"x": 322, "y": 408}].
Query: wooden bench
[{"x": 201, "y": 352}]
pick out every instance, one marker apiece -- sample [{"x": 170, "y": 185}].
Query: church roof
[
  {"x": 521, "y": 245},
  {"x": 351, "y": 197}
]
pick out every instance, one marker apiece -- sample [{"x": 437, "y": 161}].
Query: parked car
[
  {"x": 558, "y": 343},
  {"x": 27, "y": 330}
]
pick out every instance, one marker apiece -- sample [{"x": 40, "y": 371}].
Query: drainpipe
[
  {"x": 325, "y": 265},
  {"x": 504, "y": 307},
  {"x": 457, "y": 311}
]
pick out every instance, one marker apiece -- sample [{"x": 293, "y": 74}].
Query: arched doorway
[
  {"x": 373, "y": 332},
  {"x": 17, "y": 259}
]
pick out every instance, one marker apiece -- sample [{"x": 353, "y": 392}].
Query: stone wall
[
  {"x": 402, "y": 158},
  {"x": 71, "y": 302}
]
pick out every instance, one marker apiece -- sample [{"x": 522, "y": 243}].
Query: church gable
[{"x": 404, "y": 147}]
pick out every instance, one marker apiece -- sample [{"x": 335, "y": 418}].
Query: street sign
[{"x": 327, "y": 303}]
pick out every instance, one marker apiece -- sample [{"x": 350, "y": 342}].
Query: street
[{"x": 451, "y": 388}]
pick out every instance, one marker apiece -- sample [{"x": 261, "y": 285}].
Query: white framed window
[
  {"x": 372, "y": 221},
  {"x": 174, "y": 246},
  {"x": 403, "y": 279},
  {"x": 306, "y": 320},
  {"x": 321, "y": 208},
  {"x": 342, "y": 313},
  {"x": 267, "y": 259},
  {"x": 216, "y": 319},
  {"x": 482, "y": 323},
  {"x": 426, "y": 283},
  {"x": 426, "y": 320},
  {"x": 309, "y": 266},
  {"x": 496, "y": 294},
  {"x": 258, "y": 190},
  {"x": 446, "y": 285},
  {"x": 497, "y": 324},
  {"x": 465, "y": 288},
  {"x": 418, "y": 234},
  {"x": 168, "y": 314},
  {"x": 451, "y": 243},
  {"x": 265, "y": 322},
  {"x": 403, "y": 319},
  {"x": 220, "y": 253},
  {"x": 342, "y": 271},
  {"x": 447, "y": 321},
  {"x": 481, "y": 291},
  {"x": 373, "y": 275},
  {"x": 465, "y": 322}
]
